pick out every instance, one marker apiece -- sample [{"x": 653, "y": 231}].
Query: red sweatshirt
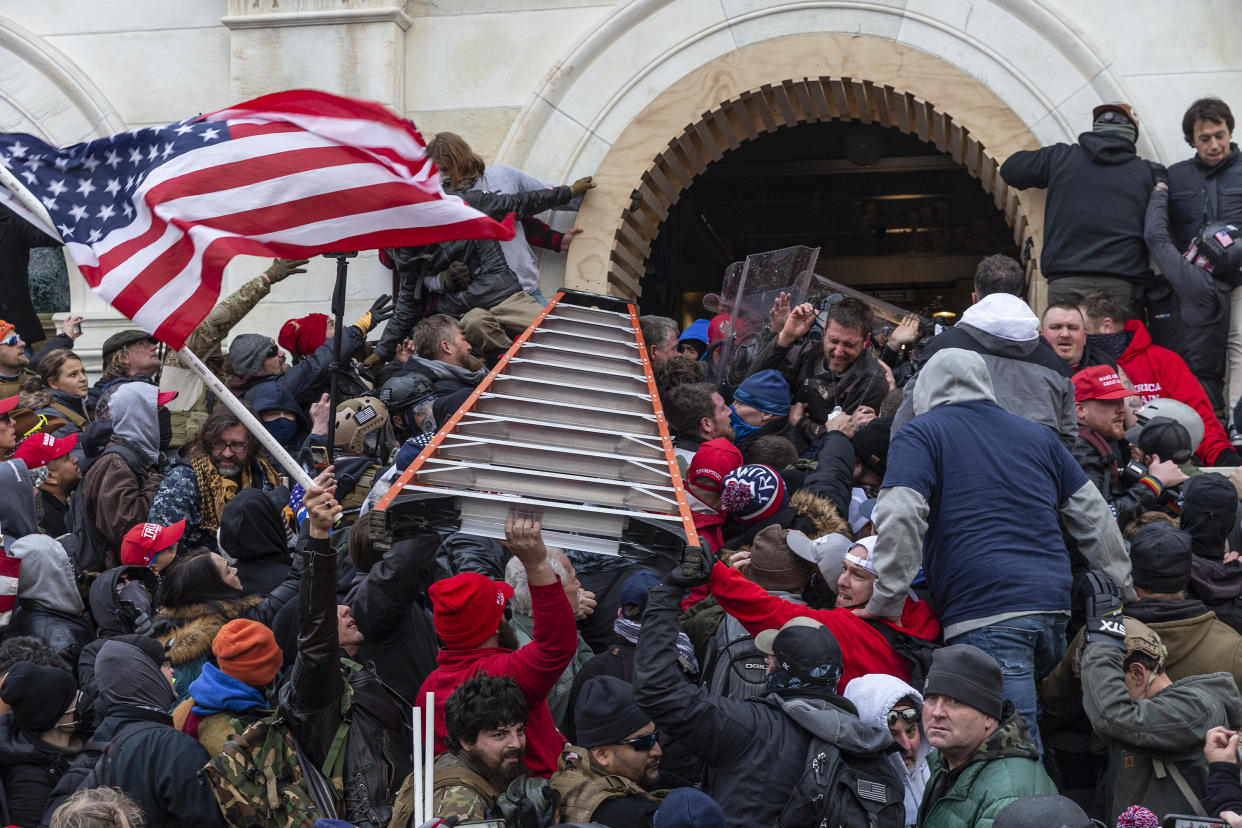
[
  {"x": 863, "y": 649},
  {"x": 1158, "y": 372},
  {"x": 535, "y": 668}
]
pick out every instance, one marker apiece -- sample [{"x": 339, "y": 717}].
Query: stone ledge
[{"x": 324, "y": 17}]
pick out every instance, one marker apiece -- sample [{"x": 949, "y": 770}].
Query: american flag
[{"x": 151, "y": 216}]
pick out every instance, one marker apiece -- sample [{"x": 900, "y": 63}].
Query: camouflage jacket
[
  {"x": 1004, "y": 768},
  {"x": 459, "y": 791},
  {"x": 189, "y": 410}
]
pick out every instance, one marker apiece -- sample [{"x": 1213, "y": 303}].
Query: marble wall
[{"x": 557, "y": 87}]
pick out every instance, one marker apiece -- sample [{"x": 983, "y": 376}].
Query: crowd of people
[{"x": 985, "y": 575}]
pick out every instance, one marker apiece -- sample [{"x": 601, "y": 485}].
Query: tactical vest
[{"x": 583, "y": 788}]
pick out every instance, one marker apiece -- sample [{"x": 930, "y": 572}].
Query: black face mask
[{"x": 165, "y": 419}]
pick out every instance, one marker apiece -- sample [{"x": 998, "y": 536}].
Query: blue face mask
[
  {"x": 741, "y": 428},
  {"x": 283, "y": 429}
]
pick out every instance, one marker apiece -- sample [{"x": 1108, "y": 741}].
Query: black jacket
[
  {"x": 1127, "y": 502},
  {"x": 400, "y": 640},
  {"x": 66, "y": 634},
  {"x": 491, "y": 279},
  {"x": 1200, "y": 195},
  {"x": 158, "y": 767},
  {"x": 377, "y": 748},
  {"x": 1097, "y": 195},
  {"x": 30, "y": 769},
  {"x": 17, "y": 237},
  {"x": 1188, "y": 307},
  {"x": 753, "y": 751},
  {"x": 802, "y": 364}
]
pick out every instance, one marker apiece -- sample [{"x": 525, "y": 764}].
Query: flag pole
[
  {"x": 338, "y": 314},
  {"x": 294, "y": 469}
]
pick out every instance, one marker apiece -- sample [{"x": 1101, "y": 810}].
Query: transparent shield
[{"x": 747, "y": 293}]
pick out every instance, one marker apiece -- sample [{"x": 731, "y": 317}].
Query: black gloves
[
  {"x": 694, "y": 570},
  {"x": 1104, "y": 621},
  {"x": 1159, "y": 172},
  {"x": 382, "y": 309},
  {"x": 456, "y": 277}
]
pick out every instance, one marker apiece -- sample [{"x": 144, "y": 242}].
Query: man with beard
[
  {"x": 221, "y": 460},
  {"x": 696, "y": 414},
  {"x": 468, "y": 615},
  {"x": 486, "y": 719},
  {"x": 608, "y": 782},
  {"x": 438, "y": 351},
  {"x": 1100, "y": 403},
  {"x": 837, "y": 372}
]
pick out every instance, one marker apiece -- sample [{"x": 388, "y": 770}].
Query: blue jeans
[
  {"x": 538, "y": 296},
  {"x": 1026, "y": 648}
]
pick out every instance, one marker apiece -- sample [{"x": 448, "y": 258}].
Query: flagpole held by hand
[{"x": 295, "y": 471}]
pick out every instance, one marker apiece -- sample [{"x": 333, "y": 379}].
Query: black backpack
[
  {"x": 844, "y": 790},
  {"x": 733, "y": 666},
  {"x": 916, "y": 651}
]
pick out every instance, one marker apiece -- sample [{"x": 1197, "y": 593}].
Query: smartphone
[
  {"x": 1187, "y": 821},
  {"x": 77, "y": 329}
]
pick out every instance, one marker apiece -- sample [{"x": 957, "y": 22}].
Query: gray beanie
[
  {"x": 247, "y": 353},
  {"x": 1043, "y": 811},
  {"x": 969, "y": 675}
]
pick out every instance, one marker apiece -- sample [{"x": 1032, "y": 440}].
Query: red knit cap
[
  {"x": 712, "y": 462},
  {"x": 467, "y": 608},
  {"x": 247, "y": 651},
  {"x": 302, "y": 336}
]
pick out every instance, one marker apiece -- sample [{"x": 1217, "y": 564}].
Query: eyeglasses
[
  {"x": 11, "y": 339},
  {"x": 642, "y": 743},
  {"x": 236, "y": 448},
  {"x": 909, "y": 714}
]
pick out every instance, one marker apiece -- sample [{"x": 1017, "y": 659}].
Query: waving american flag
[{"x": 152, "y": 216}]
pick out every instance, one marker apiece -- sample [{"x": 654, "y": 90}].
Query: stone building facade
[{"x": 643, "y": 94}]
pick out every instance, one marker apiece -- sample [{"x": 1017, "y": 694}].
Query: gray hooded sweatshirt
[
  {"x": 127, "y": 677},
  {"x": 1026, "y": 376},
  {"x": 902, "y": 513},
  {"x": 17, "y": 504},
  {"x": 134, "y": 418},
  {"x": 875, "y": 695},
  {"x": 46, "y": 576}
]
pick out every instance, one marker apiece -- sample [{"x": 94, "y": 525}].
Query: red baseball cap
[
  {"x": 41, "y": 448},
  {"x": 467, "y": 608},
  {"x": 8, "y": 404},
  {"x": 1099, "y": 382},
  {"x": 165, "y": 397},
  {"x": 146, "y": 540}
]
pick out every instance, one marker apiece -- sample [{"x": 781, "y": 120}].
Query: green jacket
[
  {"x": 1148, "y": 738},
  {"x": 1004, "y": 768}
]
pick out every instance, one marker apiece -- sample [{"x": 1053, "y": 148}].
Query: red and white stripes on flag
[
  {"x": 10, "y": 567},
  {"x": 152, "y": 216}
]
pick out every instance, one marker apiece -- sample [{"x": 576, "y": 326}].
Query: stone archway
[
  {"x": 777, "y": 106},
  {"x": 1011, "y": 72}
]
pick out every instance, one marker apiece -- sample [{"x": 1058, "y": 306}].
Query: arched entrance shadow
[{"x": 773, "y": 107}]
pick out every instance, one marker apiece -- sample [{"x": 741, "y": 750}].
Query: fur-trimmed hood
[
  {"x": 187, "y": 632},
  {"x": 35, "y": 400},
  {"x": 821, "y": 511}
]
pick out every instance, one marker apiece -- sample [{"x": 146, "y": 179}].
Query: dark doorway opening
[{"x": 893, "y": 215}]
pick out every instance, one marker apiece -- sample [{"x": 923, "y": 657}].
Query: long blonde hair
[{"x": 459, "y": 164}]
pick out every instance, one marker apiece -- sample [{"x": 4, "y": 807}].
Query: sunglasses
[
  {"x": 11, "y": 339},
  {"x": 909, "y": 714},
  {"x": 642, "y": 743}
]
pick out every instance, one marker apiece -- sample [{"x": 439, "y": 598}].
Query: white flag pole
[
  {"x": 430, "y": 754},
  {"x": 296, "y": 473},
  {"x": 419, "y": 816}
]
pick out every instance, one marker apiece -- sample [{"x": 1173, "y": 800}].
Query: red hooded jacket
[
  {"x": 863, "y": 649},
  {"x": 1158, "y": 372},
  {"x": 535, "y": 668}
]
